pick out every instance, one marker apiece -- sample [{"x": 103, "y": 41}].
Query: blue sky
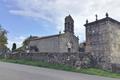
[
  {"x": 20, "y": 27},
  {"x": 22, "y": 18}
]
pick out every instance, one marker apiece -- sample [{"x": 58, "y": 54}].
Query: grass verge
[{"x": 91, "y": 71}]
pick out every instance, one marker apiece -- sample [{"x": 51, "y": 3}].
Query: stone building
[
  {"x": 62, "y": 42},
  {"x": 103, "y": 41}
]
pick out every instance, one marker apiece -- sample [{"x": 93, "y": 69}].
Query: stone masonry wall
[
  {"x": 97, "y": 38},
  {"x": 71, "y": 59},
  {"x": 46, "y": 45},
  {"x": 115, "y": 42}
]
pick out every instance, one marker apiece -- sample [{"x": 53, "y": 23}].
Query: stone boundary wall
[
  {"x": 71, "y": 59},
  {"x": 116, "y": 68},
  {"x": 79, "y": 60}
]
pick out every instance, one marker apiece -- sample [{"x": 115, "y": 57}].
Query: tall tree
[
  {"x": 3, "y": 37},
  {"x": 14, "y": 47}
]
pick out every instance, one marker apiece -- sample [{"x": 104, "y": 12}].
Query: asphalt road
[{"x": 10, "y": 71}]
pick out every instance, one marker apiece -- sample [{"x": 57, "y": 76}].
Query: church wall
[
  {"x": 57, "y": 43},
  {"x": 47, "y": 44},
  {"x": 69, "y": 38},
  {"x": 115, "y": 42}
]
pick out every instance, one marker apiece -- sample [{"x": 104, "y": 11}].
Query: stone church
[
  {"x": 103, "y": 41},
  {"x": 59, "y": 43}
]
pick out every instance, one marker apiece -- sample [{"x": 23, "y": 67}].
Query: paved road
[{"x": 10, "y": 71}]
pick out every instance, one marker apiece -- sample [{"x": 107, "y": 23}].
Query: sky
[{"x": 22, "y": 18}]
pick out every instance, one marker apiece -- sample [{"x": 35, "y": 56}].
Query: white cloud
[
  {"x": 54, "y": 11},
  {"x": 18, "y": 40}
]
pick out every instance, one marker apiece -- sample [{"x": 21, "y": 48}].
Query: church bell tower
[{"x": 69, "y": 24}]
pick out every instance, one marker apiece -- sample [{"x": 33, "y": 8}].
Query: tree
[
  {"x": 3, "y": 38},
  {"x": 27, "y": 40},
  {"x": 14, "y": 47}
]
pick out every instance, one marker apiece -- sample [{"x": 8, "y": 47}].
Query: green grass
[{"x": 91, "y": 71}]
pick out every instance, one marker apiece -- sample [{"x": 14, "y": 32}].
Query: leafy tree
[
  {"x": 14, "y": 47},
  {"x": 3, "y": 37},
  {"x": 27, "y": 40}
]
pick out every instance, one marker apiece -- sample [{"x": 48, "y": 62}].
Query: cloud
[
  {"x": 54, "y": 11},
  {"x": 18, "y": 40}
]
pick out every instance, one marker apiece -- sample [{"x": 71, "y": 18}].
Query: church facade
[{"x": 62, "y": 42}]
